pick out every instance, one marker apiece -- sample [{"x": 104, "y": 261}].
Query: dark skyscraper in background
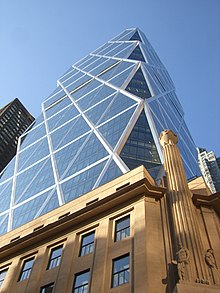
[
  {"x": 14, "y": 120},
  {"x": 103, "y": 119}
]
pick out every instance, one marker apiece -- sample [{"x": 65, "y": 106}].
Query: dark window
[
  {"x": 26, "y": 269},
  {"x": 120, "y": 271},
  {"x": 2, "y": 276},
  {"x": 87, "y": 244},
  {"x": 47, "y": 289},
  {"x": 55, "y": 257},
  {"x": 81, "y": 282},
  {"x": 122, "y": 228}
]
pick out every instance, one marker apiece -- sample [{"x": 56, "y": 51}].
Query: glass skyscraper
[{"x": 103, "y": 119}]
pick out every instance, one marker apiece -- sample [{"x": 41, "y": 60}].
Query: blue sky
[{"x": 39, "y": 40}]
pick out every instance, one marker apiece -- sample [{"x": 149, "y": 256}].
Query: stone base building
[{"x": 129, "y": 235}]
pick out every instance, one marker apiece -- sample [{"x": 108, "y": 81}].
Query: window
[
  {"x": 47, "y": 289},
  {"x": 55, "y": 257},
  {"x": 87, "y": 244},
  {"x": 81, "y": 282},
  {"x": 122, "y": 228},
  {"x": 120, "y": 271},
  {"x": 2, "y": 276},
  {"x": 26, "y": 269}
]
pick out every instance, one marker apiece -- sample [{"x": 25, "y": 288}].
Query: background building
[
  {"x": 210, "y": 169},
  {"x": 14, "y": 120},
  {"x": 103, "y": 119}
]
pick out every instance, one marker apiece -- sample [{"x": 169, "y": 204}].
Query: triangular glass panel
[
  {"x": 155, "y": 171},
  {"x": 70, "y": 72},
  {"x": 73, "y": 78},
  {"x": 127, "y": 36},
  {"x": 125, "y": 52},
  {"x": 8, "y": 171},
  {"x": 5, "y": 196},
  {"x": 52, "y": 204},
  {"x": 104, "y": 66},
  {"x": 138, "y": 85},
  {"x": 109, "y": 73},
  {"x": 90, "y": 153},
  {"x": 95, "y": 97},
  {"x": 157, "y": 112},
  {"x": 55, "y": 96},
  {"x": 112, "y": 172},
  {"x": 90, "y": 86},
  {"x": 34, "y": 180},
  {"x": 123, "y": 34},
  {"x": 169, "y": 113},
  {"x": 158, "y": 125},
  {"x": 120, "y": 79},
  {"x": 149, "y": 73},
  {"x": 140, "y": 148},
  {"x": 27, "y": 212},
  {"x": 187, "y": 158},
  {"x": 3, "y": 224},
  {"x": 136, "y": 37},
  {"x": 69, "y": 132},
  {"x": 65, "y": 156},
  {"x": 32, "y": 136},
  {"x": 113, "y": 129},
  {"x": 137, "y": 55},
  {"x": 81, "y": 183},
  {"x": 78, "y": 83},
  {"x": 120, "y": 103},
  {"x": 62, "y": 117},
  {"x": 58, "y": 107},
  {"x": 96, "y": 112},
  {"x": 33, "y": 154}
]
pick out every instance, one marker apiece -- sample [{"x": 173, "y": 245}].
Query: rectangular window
[
  {"x": 120, "y": 271},
  {"x": 81, "y": 283},
  {"x": 122, "y": 228},
  {"x": 55, "y": 257},
  {"x": 47, "y": 289},
  {"x": 87, "y": 244},
  {"x": 2, "y": 276},
  {"x": 26, "y": 269}
]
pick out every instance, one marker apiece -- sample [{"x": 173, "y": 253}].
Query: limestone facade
[{"x": 167, "y": 245}]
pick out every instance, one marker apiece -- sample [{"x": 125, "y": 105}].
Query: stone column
[{"x": 187, "y": 246}]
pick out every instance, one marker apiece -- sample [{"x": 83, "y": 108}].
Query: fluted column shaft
[{"x": 188, "y": 246}]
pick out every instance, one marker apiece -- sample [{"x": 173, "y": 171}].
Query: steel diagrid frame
[
  {"x": 118, "y": 161},
  {"x": 131, "y": 46},
  {"x": 84, "y": 169},
  {"x": 152, "y": 128},
  {"x": 53, "y": 161},
  {"x": 100, "y": 102},
  {"x": 10, "y": 216},
  {"x": 54, "y": 104},
  {"x": 52, "y": 187},
  {"x": 95, "y": 130},
  {"x": 74, "y": 80},
  {"x": 89, "y": 134},
  {"x": 45, "y": 202}
]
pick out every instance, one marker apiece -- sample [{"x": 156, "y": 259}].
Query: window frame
[
  {"x": 121, "y": 271},
  {"x": 83, "y": 285},
  {"x": 47, "y": 286},
  {"x": 57, "y": 258},
  {"x": 123, "y": 230},
  {"x": 81, "y": 253},
  {"x": 23, "y": 276},
  {"x": 2, "y": 271}
]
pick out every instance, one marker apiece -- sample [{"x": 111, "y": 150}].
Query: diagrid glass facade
[{"x": 103, "y": 119}]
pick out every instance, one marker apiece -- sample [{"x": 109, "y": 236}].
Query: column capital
[{"x": 168, "y": 137}]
